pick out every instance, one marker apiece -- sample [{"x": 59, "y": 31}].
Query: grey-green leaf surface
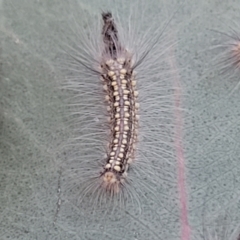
[{"x": 33, "y": 129}]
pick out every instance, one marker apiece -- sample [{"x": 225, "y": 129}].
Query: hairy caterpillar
[
  {"x": 113, "y": 56},
  {"x": 33, "y": 127},
  {"x": 226, "y": 51},
  {"x": 119, "y": 83},
  {"x": 151, "y": 183}
]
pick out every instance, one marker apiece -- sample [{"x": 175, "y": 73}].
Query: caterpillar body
[{"x": 119, "y": 84}]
